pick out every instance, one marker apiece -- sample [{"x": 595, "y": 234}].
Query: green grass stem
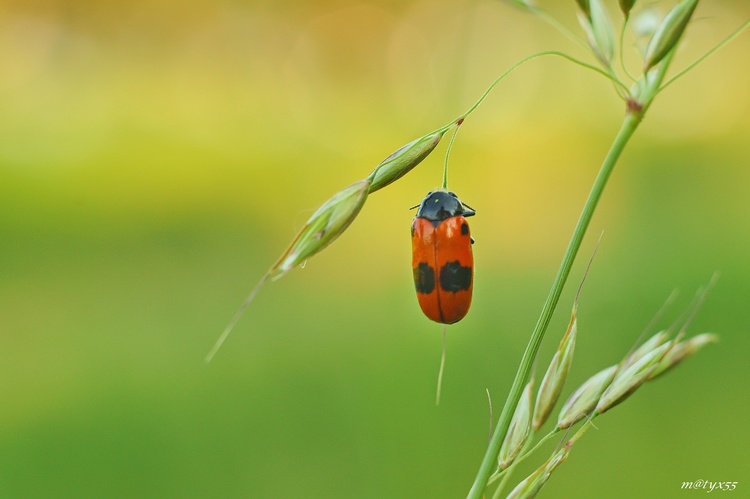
[{"x": 633, "y": 117}]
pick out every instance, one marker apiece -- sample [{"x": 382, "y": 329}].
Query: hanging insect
[{"x": 442, "y": 260}]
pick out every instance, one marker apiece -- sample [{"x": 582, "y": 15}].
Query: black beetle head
[{"x": 440, "y": 205}]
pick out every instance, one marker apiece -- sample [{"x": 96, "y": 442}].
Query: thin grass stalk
[
  {"x": 626, "y": 131},
  {"x": 633, "y": 117}
]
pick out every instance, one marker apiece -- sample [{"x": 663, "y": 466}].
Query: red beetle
[{"x": 442, "y": 261}]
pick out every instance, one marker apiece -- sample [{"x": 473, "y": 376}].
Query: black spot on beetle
[
  {"x": 424, "y": 278},
  {"x": 412, "y": 231},
  {"x": 464, "y": 229},
  {"x": 454, "y": 277}
]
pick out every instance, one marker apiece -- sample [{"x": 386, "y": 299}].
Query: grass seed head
[
  {"x": 557, "y": 373},
  {"x": 403, "y": 160},
  {"x": 668, "y": 33},
  {"x": 584, "y": 399},
  {"x": 519, "y": 430},
  {"x": 324, "y": 226}
]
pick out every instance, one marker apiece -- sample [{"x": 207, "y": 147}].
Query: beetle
[{"x": 442, "y": 259}]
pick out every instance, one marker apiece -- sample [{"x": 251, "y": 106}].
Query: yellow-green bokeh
[{"x": 157, "y": 157}]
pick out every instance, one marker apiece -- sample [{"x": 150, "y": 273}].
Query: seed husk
[
  {"x": 656, "y": 340},
  {"x": 519, "y": 430},
  {"x": 599, "y": 31},
  {"x": 668, "y": 33},
  {"x": 403, "y": 160},
  {"x": 324, "y": 226},
  {"x": 630, "y": 379},
  {"x": 557, "y": 372},
  {"x": 682, "y": 351},
  {"x": 531, "y": 485},
  {"x": 584, "y": 399}
]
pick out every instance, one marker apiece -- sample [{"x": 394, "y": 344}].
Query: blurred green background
[{"x": 156, "y": 157}]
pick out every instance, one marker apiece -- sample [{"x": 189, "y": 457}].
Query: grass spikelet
[
  {"x": 656, "y": 340},
  {"x": 599, "y": 31},
  {"x": 532, "y": 484},
  {"x": 404, "y": 159},
  {"x": 323, "y": 227},
  {"x": 668, "y": 33},
  {"x": 584, "y": 399},
  {"x": 629, "y": 380},
  {"x": 557, "y": 373},
  {"x": 519, "y": 431},
  {"x": 682, "y": 351}
]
